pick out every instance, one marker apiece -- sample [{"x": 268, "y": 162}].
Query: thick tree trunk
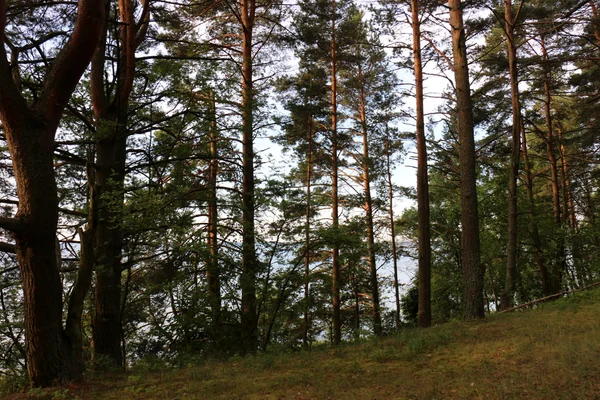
[
  {"x": 335, "y": 275},
  {"x": 50, "y": 350},
  {"x": 249, "y": 261},
  {"x": 511, "y": 247},
  {"x": 107, "y": 230},
  {"x": 472, "y": 270},
  {"x": 107, "y": 184},
  {"x": 424, "y": 312},
  {"x": 49, "y": 354},
  {"x": 366, "y": 178}
]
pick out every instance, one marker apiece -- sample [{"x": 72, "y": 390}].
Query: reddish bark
[{"x": 30, "y": 130}]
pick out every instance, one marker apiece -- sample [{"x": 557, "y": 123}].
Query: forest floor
[{"x": 552, "y": 352}]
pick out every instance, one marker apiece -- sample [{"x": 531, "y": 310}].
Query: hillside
[{"x": 552, "y": 352}]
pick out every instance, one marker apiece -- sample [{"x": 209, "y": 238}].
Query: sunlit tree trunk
[
  {"x": 335, "y": 276},
  {"x": 30, "y": 131},
  {"x": 507, "y": 298},
  {"x": 424, "y": 313}
]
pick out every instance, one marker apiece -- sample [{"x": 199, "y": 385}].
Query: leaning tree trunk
[
  {"x": 30, "y": 131},
  {"x": 472, "y": 270}
]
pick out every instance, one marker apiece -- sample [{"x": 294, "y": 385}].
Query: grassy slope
[{"x": 549, "y": 353}]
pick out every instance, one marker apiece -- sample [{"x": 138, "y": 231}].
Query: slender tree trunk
[
  {"x": 249, "y": 262},
  {"x": 368, "y": 206},
  {"x": 472, "y": 270},
  {"x": 507, "y": 298},
  {"x": 51, "y": 351},
  {"x": 356, "y": 308},
  {"x": 560, "y": 262},
  {"x": 335, "y": 276},
  {"x": 393, "y": 232},
  {"x": 533, "y": 228},
  {"x": 424, "y": 313},
  {"x": 212, "y": 271},
  {"x": 307, "y": 242},
  {"x": 569, "y": 212}
]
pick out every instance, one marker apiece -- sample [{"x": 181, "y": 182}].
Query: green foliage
[{"x": 409, "y": 303}]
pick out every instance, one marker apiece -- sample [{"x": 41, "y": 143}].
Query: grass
[{"x": 552, "y": 352}]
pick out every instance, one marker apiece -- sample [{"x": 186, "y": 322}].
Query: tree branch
[{"x": 11, "y": 224}]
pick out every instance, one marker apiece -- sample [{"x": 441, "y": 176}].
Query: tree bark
[
  {"x": 30, "y": 132},
  {"x": 307, "y": 242},
  {"x": 507, "y": 298},
  {"x": 368, "y": 206},
  {"x": 335, "y": 275},
  {"x": 472, "y": 270},
  {"x": 424, "y": 310},
  {"x": 533, "y": 228},
  {"x": 249, "y": 262},
  {"x": 107, "y": 186},
  {"x": 393, "y": 232},
  {"x": 212, "y": 270},
  {"x": 560, "y": 262}
]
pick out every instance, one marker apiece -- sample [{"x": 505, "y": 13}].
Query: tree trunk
[
  {"x": 393, "y": 232},
  {"x": 50, "y": 351},
  {"x": 307, "y": 242},
  {"x": 212, "y": 270},
  {"x": 366, "y": 178},
  {"x": 107, "y": 188},
  {"x": 335, "y": 276},
  {"x": 105, "y": 223},
  {"x": 249, "y": 261},
  {"x": 472, "y": 270},
  {"x": 533, "y": 228},
  {"x": 511, "y": 247},
  {"x": 424, "y": 313},
  {"x": 560, "y": 262}
]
